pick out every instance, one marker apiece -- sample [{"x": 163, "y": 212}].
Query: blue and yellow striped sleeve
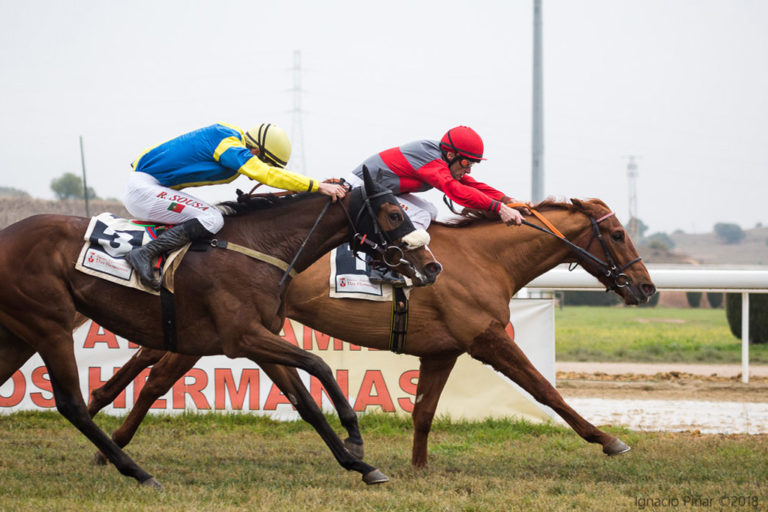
[{"x": 232, "y": 153}]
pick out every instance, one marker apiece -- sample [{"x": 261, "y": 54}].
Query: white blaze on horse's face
[{"x": 416, "y": 239}]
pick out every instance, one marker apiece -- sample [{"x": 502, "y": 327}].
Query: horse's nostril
[
  {"x": 434, "y": 268},
  {"x": 648, "y": 289}
]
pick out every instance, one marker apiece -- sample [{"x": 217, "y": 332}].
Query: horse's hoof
[
  {"x": 151, "y": 482},
  {"x": 99, "y": 459},
  {"x": 355, "y": 449},
  {"x": 616, "y": 447},
  {"x": 375, "y": 477}
]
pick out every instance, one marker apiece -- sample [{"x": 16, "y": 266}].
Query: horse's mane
[
  {"x": 478, "y": 217},
  {"x": 253, "y": 203}
]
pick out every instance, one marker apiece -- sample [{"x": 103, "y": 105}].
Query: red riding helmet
[{"x": 464, "y": 141}]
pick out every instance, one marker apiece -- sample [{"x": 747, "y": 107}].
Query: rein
[{"x": 608, "y": 268}]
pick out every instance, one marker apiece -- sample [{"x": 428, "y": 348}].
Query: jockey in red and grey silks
[{"x": 419, "y": 166}]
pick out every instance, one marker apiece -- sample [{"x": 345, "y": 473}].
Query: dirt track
[
  {"x": 662, "y": 386},
  {"x": 721, "y": 383}
]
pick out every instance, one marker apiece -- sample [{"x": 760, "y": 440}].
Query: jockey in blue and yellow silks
[{"x": 215, "y": 154}]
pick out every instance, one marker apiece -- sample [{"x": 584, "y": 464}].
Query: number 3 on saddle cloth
[
  {"x": 349, "y": 279},
  {"x": 109, "y": 238}
]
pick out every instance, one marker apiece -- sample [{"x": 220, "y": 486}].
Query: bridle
[
  {"x": 384, "y": 249},
  {"x": 608, "y": 268}
]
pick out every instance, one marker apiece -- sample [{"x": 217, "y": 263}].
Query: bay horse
[
  {"x": 466, "y": 311},
  {"x": 226, "y": 302}
]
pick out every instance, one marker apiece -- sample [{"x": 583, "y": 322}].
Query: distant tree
[
  {"x": 641, "y": 226},
  {"x": 70, "y": 186},
  {"x": 729, "y": 233},
  {"x": 13, "y": 192},
  {"x": 661, "y": 238}
]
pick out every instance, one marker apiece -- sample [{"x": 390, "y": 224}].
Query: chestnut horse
[
  {"x": 467, "y": 310},
  {"x": 226, "y": 303}
]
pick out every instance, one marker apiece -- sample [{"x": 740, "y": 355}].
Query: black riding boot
[
  {"x": 383, "y": 275},
  {"x": 141, "y": 258}
]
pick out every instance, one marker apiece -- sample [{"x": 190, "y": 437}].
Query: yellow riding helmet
[{"x": 272, "y": 142}]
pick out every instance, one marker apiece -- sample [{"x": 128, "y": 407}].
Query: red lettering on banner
[
  {"x": 133, "y": 345},
  {"x": 94, "y": 381},
  {"x": 510, "y": 330},
  {"x": 138, "y": 385},
  {"x": 288, "y": 334},
  {"x": 224, "y": 385},
  {"x": 354, "y": 347},
  {"x": 322, "y": 340},
  {"x": 97, "y": 334},
  {"x": 371, "y": 379},
  {"x": 195, "y": 391},
  {"x": 316, "y": 389},
  {"x": 19, "y": 388},
  {"x": 275, "y": 398},
  {"x": 43, "y": 382},
  {"x": 408, "y": 382}
]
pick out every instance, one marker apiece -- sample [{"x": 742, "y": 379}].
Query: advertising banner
[{"x": 373, "y": 380}]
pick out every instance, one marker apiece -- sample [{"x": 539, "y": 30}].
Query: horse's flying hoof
[
  {"x": 616, "y": 447},
  {"x": 355, "y": 449},
  {"x": 151, "y": 482},
  {"x": 375, "y": 477}
]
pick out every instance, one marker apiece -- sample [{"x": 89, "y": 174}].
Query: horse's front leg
[
  {"x": 266, "y": 348},
  {"x": 433, "y": 374},
  {"x": 495, "y": 347}
]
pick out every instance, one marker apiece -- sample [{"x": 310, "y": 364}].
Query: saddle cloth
[
  {"x": 108, "y": 239},
  {"x": 350, "y": 278}
]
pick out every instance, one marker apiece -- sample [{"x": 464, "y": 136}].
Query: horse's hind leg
[
  {"x": 494, "y": 347},
  {"x": 264, "y": 348},
  {"x": 59, "y": 358},
  {"x": 433, "y": 373},
  {"x": 170, "y": 368},
  {"x": 14, "y": 352},
  {"x": 106, "y": 394}
]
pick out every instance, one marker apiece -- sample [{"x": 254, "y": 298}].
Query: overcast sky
[{"x": 681, "y": 84}]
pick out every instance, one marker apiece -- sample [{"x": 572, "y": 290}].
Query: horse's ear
[
  {"x": 369, "y": 186},
  {"x": 578, "y": 204}
]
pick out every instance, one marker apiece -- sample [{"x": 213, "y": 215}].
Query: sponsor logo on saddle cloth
[
  {"x": 108, "y": 239},
  {"x": 349, "y": 278}
]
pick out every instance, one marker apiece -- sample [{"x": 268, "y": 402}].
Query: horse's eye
[
  {"x": 618, "y": 236},
  {"x": 395, "y": 217}
]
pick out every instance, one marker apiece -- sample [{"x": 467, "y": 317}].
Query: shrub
[
  {"x": 652, "y": 302},
  {"x": 587, "y": 298},
  {"x": 694, "y": 299},
  {"x": 715, "y": 299},
  {"x": 758, "y": 316}
]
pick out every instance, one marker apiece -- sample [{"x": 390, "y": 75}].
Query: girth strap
[
  {"x": 168, "y": 311},
  {"x": 257, "y": 255},
  {"x": 399, "y": 322}
]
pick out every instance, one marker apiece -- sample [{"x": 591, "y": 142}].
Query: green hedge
[{"x": 758, "y": 316}]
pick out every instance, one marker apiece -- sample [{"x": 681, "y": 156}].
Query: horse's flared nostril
[
  {"x": 648, "y": 289},
  {"x": 433, "y": 269}
]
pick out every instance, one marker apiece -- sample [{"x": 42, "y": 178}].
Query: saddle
[{"x": 109, "y": 238}]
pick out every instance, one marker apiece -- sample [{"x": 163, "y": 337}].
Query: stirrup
[{"x": 142, "y": 264}]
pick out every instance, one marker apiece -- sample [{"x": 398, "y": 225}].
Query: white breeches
[{"x": 146, "y": 199}]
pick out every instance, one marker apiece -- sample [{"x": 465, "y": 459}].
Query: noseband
[
  {"x": 608, "y": 268},
  {"x": 384, "y": 246}
]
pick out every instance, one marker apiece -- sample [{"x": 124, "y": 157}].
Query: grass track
[
  {"x": 658, "y": 334},
  {"x": 240, "y": 462}
]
